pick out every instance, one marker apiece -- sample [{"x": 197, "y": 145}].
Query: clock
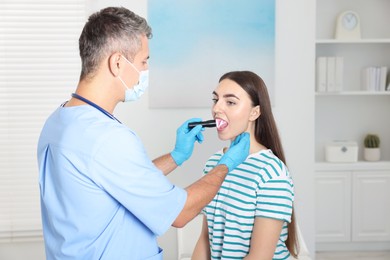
[{"x": 348, "y": 26}]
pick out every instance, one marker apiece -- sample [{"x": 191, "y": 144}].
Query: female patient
[{"x": 251, "y": 217}]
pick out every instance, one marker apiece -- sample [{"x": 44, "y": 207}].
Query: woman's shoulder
[
  {"x": 269, "y": 166},
  {"x": 265, "y": 157}
]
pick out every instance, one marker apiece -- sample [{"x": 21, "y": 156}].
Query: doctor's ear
[{"x": 115, "y": 63}]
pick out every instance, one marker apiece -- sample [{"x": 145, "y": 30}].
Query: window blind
[{"x": 39, "y": 68}]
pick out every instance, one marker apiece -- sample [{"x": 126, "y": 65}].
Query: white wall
[
  {"x": 294, "y": 112},
  {"x": 294, "y": 108}
]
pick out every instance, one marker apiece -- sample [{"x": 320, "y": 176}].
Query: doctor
[{"x": 101, "y": 196}]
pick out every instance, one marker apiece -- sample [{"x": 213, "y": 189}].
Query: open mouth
[{"x": 221, "y": 124}]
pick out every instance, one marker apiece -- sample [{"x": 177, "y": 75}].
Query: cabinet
[
  {"x": 352, "y": 206},
  {"x": 371, "y": 205},
  {"x": 351, "y": 113},
  {"x": 333, "y": 206}
]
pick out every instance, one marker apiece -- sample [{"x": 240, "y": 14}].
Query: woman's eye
[
  {"x": 230, "y": 103},
  {"x": 215, "y": 100}
]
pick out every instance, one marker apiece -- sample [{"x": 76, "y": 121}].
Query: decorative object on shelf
[
  {"x": 341, "y": 151},
  {"x": 348, "y": 26},
  {"x": 372, "y": 151}
]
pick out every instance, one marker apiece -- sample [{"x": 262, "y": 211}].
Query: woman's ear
[
  {"x": 114, "y": 64},
  {"x": 255, "y": 113}
]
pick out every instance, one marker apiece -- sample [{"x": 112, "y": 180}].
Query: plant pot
[{"x": 372, "y": 154}]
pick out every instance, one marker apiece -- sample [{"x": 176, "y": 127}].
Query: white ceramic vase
[{"x": 372, "y": 154}]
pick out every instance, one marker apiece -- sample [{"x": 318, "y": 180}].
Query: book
[
  {"x": 321, "y": 74},
  {"x": 383, "y": 78},
  {"x": 388, "y": 82},
  {"x": 374, "y": 78},
  {"x": 331, "y": 74},
  {"x": 339, "y": 72}
]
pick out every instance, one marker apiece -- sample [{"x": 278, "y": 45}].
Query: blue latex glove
[
  {"x": 185, "y": 140},
  {"x": 237, "y": 153}
]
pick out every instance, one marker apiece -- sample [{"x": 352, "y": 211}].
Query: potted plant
[{"x": 371, "y": 148}]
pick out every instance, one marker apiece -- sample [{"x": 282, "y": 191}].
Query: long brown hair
[{"x": 266, "y": 132}]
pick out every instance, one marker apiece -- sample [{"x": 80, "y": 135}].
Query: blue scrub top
[{"x": 101, "y": 196}]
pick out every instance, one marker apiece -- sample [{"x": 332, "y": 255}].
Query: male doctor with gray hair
[{"x": 101, "y": 196}]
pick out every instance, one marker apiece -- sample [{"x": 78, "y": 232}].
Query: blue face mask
[{"x": 133, "y": 94}]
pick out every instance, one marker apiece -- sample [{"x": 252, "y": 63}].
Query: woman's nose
[{"x": 216, "y": 108}]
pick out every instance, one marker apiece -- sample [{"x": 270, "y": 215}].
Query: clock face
[
  {"x": 349, "y": 21},
  {"x": 348, "y": 26}
]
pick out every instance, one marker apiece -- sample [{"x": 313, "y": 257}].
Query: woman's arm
[
  {"x": 265, "y": 235},
  {"x": 202, "y": 248}
]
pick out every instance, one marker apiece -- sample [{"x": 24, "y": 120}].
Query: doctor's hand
[
  {"x": 185, "y": 140},
  {"x": 237, "y": 153}
]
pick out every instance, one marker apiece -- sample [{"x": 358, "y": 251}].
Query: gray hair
[{"x": 113, "y": 29}]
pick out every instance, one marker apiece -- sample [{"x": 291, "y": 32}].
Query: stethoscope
[{"x": 74, "y": 95}]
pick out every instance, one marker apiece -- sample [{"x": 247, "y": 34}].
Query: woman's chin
[{"x": 225, "y": 136}]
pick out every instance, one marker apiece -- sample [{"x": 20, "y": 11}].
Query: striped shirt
[{"x": 259, "y": 187}]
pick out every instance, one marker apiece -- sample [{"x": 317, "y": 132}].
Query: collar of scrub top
[{"x": 74, "y": 95}]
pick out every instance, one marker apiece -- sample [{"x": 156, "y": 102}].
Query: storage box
[{"x": 341, "y": 151}]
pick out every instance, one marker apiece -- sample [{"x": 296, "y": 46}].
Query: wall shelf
[
  {"x": 354, "y": 93},
  {"x": 351, "y": 111},
  {"x": 354, "y": 166},
  {"x": 365, "y": 41}
]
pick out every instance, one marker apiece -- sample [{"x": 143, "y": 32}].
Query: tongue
[{"x": 221, "y": 124}]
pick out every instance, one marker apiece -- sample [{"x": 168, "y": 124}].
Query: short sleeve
[
  {"x": 275, "y": 199},
  {"x": 123, "y": 169}
]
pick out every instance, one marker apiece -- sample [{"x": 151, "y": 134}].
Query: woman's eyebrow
[
  {"x": 230, "y": 95},
  {"x": 226, "y": 95}
]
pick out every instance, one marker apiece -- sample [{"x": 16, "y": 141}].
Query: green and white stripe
[{"x": 259, "y": 187}]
